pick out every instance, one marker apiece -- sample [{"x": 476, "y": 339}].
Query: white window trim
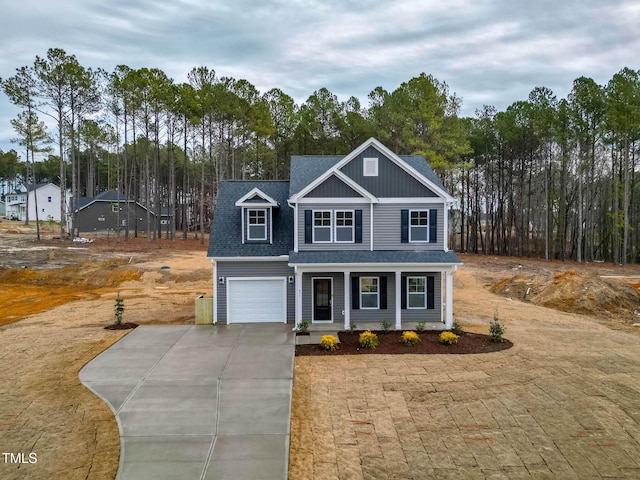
[
  {"x": 417, "y": 226},
  {"x": 313, "y": 226},
  {"x": 249, "y": 210},
  {"x": 368, "y": 162},
  {"x": 377, "y": 307},
  {"x": 353, "y": 226},
  {"x": 409, "y": 307}
]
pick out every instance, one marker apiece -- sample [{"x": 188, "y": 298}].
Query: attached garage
[{"x": 257, "y": 300}]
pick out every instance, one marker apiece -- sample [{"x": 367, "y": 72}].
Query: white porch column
[
  {"x": 215, "y": 292},
  {"x": 347, "y": 301},
  {"x": 298, "y": 289},
  {"x": 398, "y": 300},
  {"x": 448, "y": 275}
]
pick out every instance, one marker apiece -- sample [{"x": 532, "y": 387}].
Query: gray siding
[
  {"x": 419, "y": 314},
  {"x": 366, "y": 227},
  {"x": 337, "y": 298},
  {"x": 387, "y": 224},
  {"x": 333, "y": 187},
  {"x": 409, "y": 315},
  {"x": 88, "y": 217},
  {"x": 252, "y": 269},
  {"x": 392, "y": 181},
  {"x": 377, "y": 315}
]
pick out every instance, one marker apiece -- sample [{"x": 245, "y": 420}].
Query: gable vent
[{"x": 370, "y": 167}]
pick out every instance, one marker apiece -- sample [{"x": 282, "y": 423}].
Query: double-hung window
[
  {"x": 417, "y": 292},
  {"x": 419, "y": 226},
  {"x": 257, "y": 225},
  {"x": 344, "y": 226},
  {"x": 369, "y": 292},
  {"x": 322, "y": 226}
]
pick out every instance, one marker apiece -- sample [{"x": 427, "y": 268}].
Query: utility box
[{"x": 204, "y": 310}]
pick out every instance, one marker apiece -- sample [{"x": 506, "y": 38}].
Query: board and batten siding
[
  {"x": 387, "y": 225},
  {"x": 252, "y": 269},
  {"x": 391, "y": 181},
  {"x": 366, "y": 227},
  {"x": 333, "y": 187}
]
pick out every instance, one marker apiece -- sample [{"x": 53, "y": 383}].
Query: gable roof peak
[{"x": 256, "y": 192}]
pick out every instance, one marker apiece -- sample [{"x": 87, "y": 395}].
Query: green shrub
[
  {"x": 303, "y": 326},
  {"x": 385, "y": 324},
  {"x": 353, "y": 326},
  {"x": 420, "y": 326},
  {"x": 329, "y": 342},
  {"x": 368, "y": 339},
  {"x": 118, "y": 309},
  {"x": 496, "y": 329},
  {"x": 448, "y": 338},
  {"x": 457, "y": 328},
  {"x": 410, "y": 338}
]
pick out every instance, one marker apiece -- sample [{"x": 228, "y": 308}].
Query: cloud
[{"x": 492, "y": 52}]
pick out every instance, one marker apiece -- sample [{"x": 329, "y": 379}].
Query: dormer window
[
  {"x": 370, "y": 167},
  {"x": 256, "y": 224}
]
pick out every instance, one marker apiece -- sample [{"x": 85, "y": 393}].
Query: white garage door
[{"x": 262, "y": 300}]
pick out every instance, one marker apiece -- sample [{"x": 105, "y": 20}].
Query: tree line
[{"x": 547, "y": 177}]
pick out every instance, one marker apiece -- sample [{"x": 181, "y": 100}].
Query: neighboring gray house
[
  {"x": 3, "y": 209},
  {"x": 352, "y": 238},
  {"x": 109, "y": 211}
]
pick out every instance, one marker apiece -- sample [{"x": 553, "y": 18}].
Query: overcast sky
[{"x": 488, "y": 52}]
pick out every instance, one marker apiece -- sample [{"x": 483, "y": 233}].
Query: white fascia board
[
  {"x": 374, "y": 267},
  {"x": 281, "y": 258},
  {"x": 361, "y": 190},
  {"x": 342, "y": 177},
  {"x": 329, "y": 200},
  {"x": 256, "y": 191},
  {"x": 413, "y": 200}
]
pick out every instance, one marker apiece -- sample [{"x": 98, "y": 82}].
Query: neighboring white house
[{"x": 48, "y": 196}]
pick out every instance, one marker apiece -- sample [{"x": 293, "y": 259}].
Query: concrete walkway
[{"x": 199, "y": 402}]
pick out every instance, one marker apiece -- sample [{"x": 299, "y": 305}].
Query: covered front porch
[{"x": 367, "y": 295}]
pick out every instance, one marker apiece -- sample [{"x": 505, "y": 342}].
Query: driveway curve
[{"x": 199, "y": 402}]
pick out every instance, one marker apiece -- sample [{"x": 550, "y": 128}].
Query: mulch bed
[
  {"x": 122, "y": 326},
  {"x": 390, "y": 343}
]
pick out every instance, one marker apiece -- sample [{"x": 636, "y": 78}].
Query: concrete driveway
[{"x": 199, "y": 402}]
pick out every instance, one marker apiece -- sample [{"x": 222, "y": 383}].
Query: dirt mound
[
  {"x": 25, "y": 292},
  {"x": 573, "y": 292}
]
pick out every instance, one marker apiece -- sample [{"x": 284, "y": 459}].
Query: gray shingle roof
[
  {"x": 377, "y": 256},
  {"x": 226, "y": 233},
  {"x": 306, "y": 168}
]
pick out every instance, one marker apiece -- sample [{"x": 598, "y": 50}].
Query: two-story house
[
  {"x": 48, "y": 200},
  {"x": 355, "y": 238}
]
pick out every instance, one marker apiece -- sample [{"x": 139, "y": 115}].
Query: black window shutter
[
  {"x": 308, "y": 232},
  {"x": 403, "y": 293},
  {"x": 433, "y": 225},
  {"x": 430, "y": 293},
  {"x": 383, "y": 293},
  {"x": 358, "y": 235},
  {"x": 404, "y": 226},
  {"x": 355, "y": 293}
]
